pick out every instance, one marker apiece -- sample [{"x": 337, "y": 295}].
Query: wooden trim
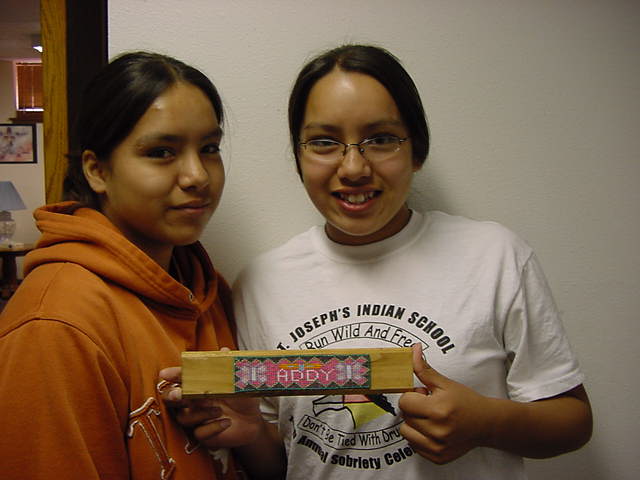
[
  {"x": 54, "y": 59},
  {"x": 74, "y": 41}
]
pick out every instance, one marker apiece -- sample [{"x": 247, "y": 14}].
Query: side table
[{"x": 9, "y": 279}]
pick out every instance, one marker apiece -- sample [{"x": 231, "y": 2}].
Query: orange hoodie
[{"x": 81, "y": 344}]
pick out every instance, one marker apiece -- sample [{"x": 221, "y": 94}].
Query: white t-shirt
[{"x": 471, "y": 293}]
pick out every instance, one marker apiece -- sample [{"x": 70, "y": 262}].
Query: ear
[
  {"x": 94, "y": 171},
  {"x": 416, "y": 166}
]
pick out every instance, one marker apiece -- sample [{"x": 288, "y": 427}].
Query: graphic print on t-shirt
[
  {"x": 358, "y": 431},
  {"x": 362, "y": 408}
]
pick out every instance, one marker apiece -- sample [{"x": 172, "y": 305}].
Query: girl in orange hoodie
[{"x": 118, "y": 286}]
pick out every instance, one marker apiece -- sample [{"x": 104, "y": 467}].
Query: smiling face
[
  {"x": 362, "y": 202},
  {"x": 163, "y": 182}
]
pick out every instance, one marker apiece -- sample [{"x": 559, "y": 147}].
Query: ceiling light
[{"x": 36, "y": 44}]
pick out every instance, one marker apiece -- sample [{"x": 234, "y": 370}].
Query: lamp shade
[{"x": 10, "y": 198}]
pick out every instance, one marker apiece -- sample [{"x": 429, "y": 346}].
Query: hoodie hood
[{"x": 84, "y": 236}]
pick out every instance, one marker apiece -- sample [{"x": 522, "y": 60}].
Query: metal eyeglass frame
[{"x": 361, "y": 145}]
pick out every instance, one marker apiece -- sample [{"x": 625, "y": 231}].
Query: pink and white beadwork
[{"x": 302, "y": 372}]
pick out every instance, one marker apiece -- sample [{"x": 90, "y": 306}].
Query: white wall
[{"x": 534, "y": 111}]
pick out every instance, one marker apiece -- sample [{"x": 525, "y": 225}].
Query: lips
[
  {"x": 356, "y": 198},
  {"x": 192, "y": 205}
]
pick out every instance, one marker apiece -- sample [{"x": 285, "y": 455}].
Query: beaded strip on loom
[{"x": 301, "y": 372}]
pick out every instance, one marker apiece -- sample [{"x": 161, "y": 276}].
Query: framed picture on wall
[{"x": 18, "y": 143}]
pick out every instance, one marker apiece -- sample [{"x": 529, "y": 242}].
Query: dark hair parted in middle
[
  {"x": 377, "y": 63},
  {"x": 113, "y": 103}
]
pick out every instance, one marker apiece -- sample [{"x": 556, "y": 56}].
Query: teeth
[{"x": 357, "y": 198}]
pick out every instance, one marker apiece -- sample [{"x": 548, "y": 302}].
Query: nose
[
  {"x": 193, "y": 174},
  {"x": 353, "y": 165}
]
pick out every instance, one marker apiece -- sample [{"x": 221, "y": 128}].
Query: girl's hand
[
  {"x": 444, "y": 419},
  {"x": 219, "y": 423}
]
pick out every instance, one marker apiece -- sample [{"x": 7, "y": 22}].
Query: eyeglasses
[{"x": 375, "y": 149}]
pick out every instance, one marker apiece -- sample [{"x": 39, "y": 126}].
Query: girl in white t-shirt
[{"x": 359, "y": 134}]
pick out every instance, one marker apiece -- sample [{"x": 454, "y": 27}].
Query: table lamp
[{"x": 9, "y": 200}]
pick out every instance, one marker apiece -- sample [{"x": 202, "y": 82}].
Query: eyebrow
[
  {"x": 170, "y": 138},
  {"x": 368, "y": 126}
]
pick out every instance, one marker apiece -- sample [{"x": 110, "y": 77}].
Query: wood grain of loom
[{"x": 300, "y": 372}]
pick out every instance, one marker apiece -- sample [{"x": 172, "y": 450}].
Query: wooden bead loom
[{"x": 303, "y": 372}]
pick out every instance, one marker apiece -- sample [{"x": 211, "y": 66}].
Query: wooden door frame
[{"x": 74, "y": 40}]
